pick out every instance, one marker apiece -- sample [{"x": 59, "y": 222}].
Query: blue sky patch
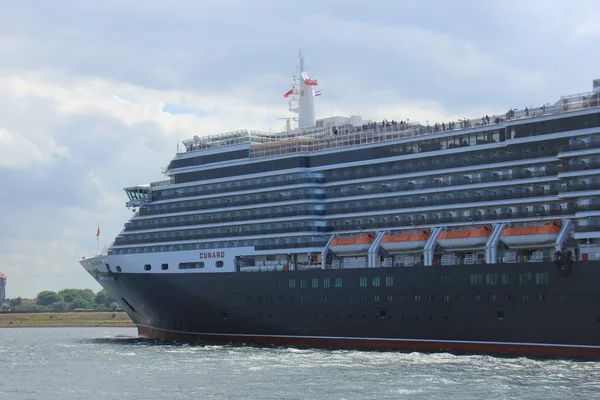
[{"x": 177, "y": 110}]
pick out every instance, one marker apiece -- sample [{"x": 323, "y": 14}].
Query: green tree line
[{"x": 67, "y": 300}]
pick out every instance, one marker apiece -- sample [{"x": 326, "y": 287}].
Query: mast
[{"x": 302, "y": 101}]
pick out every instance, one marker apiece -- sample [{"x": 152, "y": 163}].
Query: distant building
[{"x": 2, "y": 287}]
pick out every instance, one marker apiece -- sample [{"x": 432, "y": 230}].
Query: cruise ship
[{"x": 477, "y": 235}]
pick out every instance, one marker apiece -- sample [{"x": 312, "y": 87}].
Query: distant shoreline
[{"x": 117, "y": 319}]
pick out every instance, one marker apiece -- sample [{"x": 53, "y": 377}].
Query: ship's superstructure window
[
  {"x": 492, "y": 297},
  {"x": 542, "y": 278},
  {"x": 475, "y": 279},
  {"x": 164, "y": 266},
  {"x": 326, "y": 282},
  {"x": 417, "y": 298},
  {"x": 524, "y": 297},
  {"x": 315, "y": 282},
  {"x": 389, "y": 281},
  {"x": 525, "y": 278},
  {"x": 219, "y": 264},
  {"x": 147, "y": 267},
  {"x": 446, "y": 298},
  {"x": 507, "y": 279},
  {"x": 477, "y": 298},
  {"x": 292, "y": 283},
  {"x": 376, "y": 281},
  {"x": 363, "y": 281},
  {"x": 191, "y": 265},
  {"x": 303, "y": 283},
  {"x": 338, "y": 282},
  {"x": 491, "y": 279}
]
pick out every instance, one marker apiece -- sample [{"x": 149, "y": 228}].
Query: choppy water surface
[{"x": 110, "y": 363}]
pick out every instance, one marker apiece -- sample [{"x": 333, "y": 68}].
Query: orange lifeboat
[
  {"x": 464, "y": 239},
  {"x": 405, "y": 242},
  {"x": 528, "y": 236},
  {"x": 352, "y": 244}
]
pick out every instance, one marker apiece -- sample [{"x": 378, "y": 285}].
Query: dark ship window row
[
  {"x": 356, "y": 173},
  {"x": 469, "y": 139},
  {"x": 390, "y": 168},
  {"x": 582, "y": 163},
  {"x": 583, "y": 183},
  {"x": 381, "y": 221},
  {"x": 420, "y": 298},
  {"x": 234, "y": 201},
  {"x": 204, "y": 159},
  {"x": 259, "y": 244},
  {"x": 239, "y": 185},
  {"x": 438, "y": 198},
  {"x": 191, "y": 265},
  {"x": 589, "y": 224},
  {"x": 588, "y": 204},
  {"x": 225, "y": 231},
  {"x": 294, "y": 210},
  {"x": 415, "y": 147},
  {"x": 442, "y": 181},
  {"x": 539, "y": 278},
  {"x": 555, "y": 126},
  {"x": 347, "y": 156},
  {"x": 403, "y": 201},
  {"x": 314, "y": 283},
  {"x": 442, "y": 162},
  {"x": 440, "y": 217},
  {"x": 185, "y": 265}
]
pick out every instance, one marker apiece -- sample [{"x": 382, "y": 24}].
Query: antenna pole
[{"x": 177, "y": 129}]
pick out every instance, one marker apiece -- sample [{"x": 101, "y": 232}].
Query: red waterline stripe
[{"x": 377, "y": 343}]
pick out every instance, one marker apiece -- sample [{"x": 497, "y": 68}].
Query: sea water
[{"x": 111, "y": 363}]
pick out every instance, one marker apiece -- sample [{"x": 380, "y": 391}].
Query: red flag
[
  {"x": 98, "y": 231},
  {"x": 310, "y": 82},
  {"x": 288, "y": 93}
]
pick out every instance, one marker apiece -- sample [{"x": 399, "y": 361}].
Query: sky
[{"x": 94, "y": 95}]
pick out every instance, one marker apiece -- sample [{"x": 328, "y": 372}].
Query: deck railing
[{"x": 265, "y": 144}]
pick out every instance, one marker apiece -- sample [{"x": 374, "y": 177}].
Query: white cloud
[{"x": 17, "y": 151}]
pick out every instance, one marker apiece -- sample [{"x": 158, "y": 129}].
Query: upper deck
[{"x": 332, "y": 136}]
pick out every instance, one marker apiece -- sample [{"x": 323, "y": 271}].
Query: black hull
[{"x": 430, "y": 308}]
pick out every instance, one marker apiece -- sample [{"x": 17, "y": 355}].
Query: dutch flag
[{"x": 317, "y": 92}]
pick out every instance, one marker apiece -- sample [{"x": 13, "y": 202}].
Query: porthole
[{"x": 147, "y": 267}]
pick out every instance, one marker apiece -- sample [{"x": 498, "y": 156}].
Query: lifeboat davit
[
  {"x": 530, "y": 236},
  {"x": 405, "y": 242},
  {"x": 464, "y": 239},
  {"x": 352, "y": 244}
]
